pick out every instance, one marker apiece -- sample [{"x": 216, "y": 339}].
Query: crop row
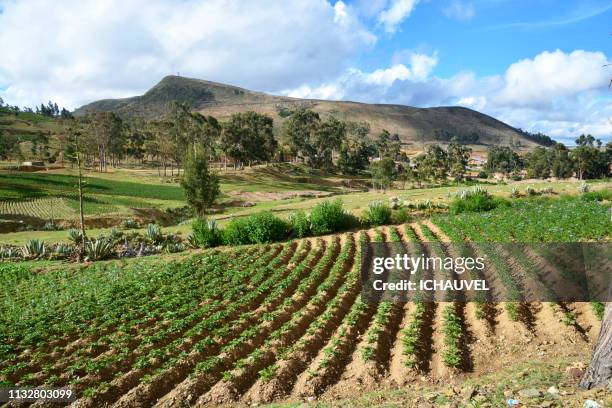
[
  {"x": 149, "y": 361},
  {"x": 171, "y": 320},
  {"x": 125, "y": 316},
  {"x": 259, "y": 362},
  {"x": 45, "y": 208}
]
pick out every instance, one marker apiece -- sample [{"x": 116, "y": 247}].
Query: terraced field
[
  {"x": 46, "y": 196},
  {"x": 45, "y": 208},
  {"x": 261, "y": 324}
]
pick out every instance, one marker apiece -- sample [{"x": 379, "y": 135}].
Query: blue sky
[
  {"x": 491, "y": 34},
  {"x": 534, "y": 64}
]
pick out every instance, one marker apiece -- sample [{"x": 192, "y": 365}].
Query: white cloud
[
  {"x": 551, "y": 75},
  {"x": 396, "y": 13},
  {"x": 422, "y": 65},
  {"x": 474, "y": 102},
  {"x": 387, "y": 76},
  {"x": 79, "y": 51},
  {"x": 561, "y": 94},
  {"x": 459, "y": 10},
  {"x": 340, "y": 13},
  {"x": 372, "y": 86}
]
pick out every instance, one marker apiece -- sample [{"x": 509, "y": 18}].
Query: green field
[
  {"x": 286, "y": 315},
  {"x": 281, "y": 189}
]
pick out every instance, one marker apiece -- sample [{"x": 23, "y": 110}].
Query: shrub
[
  {"x": 584, "y": 188},
  {"x": 34, "y": 249},
  {"x": 475, "y": 201},
  {"x": 400, "y": 216},
  {"x": 483, "y": 174},
  {"x": 98, "y": 249},
  {"x": 601, "y": 195},
  {"x": 515, "y": 193},
  {"x": 206, "y": 233},
  {"x": 300, "y": 224},
  {"x": 378, "y": 213},
  {"x": 265, "y": 227},
  {"x": 329, "y": 216},
  {"x": 258, "y": 228},
  {"x": 236, "y": 232}
]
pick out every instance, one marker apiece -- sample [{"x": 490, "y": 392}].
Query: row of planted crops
[{"x": 253, "y": 323}]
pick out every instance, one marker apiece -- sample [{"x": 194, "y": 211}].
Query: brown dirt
[
  {"x": 437, "y": 231},
  {"x": 586, "y": 319},
  {"x": 399, "y": 374},
  {"x": 257, "y": 196}
]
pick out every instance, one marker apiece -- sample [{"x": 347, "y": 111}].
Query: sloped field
[
  {"x": 44, "y": 208},
  {"x": 261, "y": 324}
]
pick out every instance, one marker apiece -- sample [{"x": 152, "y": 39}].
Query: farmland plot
[
  {"x": 43, "y": 208},
  {"x": 264, "y": 323}
]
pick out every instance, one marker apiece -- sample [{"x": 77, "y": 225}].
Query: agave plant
[
  {"x": 50, "y": 226},
  {"x": 172, "y": 247},
  {"x": 9, "y": 252},
  {"x": 212, "y": 224},
  {"x": 515, "y": 193},
  {"x": 115, "y": 235},
  {"x": 395, "y": 203},
  {"x": 191, "y": 240},
  {"x": 462, "y": 194},
  {"x": 584, "y": 188},
  {"x": 480, "y": 190},
  {"x": 74, "y": 235},
  {"x": 153, "y": 233},
  {"x": 62, "y": 251},
  {"x": 98, "y": 249},
  {"x": 34, "y": 249},
  {"x": 129, "y": 224}
]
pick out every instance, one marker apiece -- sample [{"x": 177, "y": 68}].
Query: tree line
[
  {"x": 51, "y": 109},
  {"x": 248, "y": 138},
  {"x": 588, "y": 160}
]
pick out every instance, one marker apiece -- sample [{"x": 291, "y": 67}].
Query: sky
[{"x": 534, "y": 64}]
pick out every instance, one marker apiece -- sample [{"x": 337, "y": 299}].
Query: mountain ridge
[{"x": 414, "y": 125}]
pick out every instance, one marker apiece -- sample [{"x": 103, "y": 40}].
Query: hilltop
[{"x": 414, "y": 125}]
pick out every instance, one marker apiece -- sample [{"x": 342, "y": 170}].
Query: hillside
[
  {"x": 414, "y": 125},
  {"x": 26, "y": 124}
]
